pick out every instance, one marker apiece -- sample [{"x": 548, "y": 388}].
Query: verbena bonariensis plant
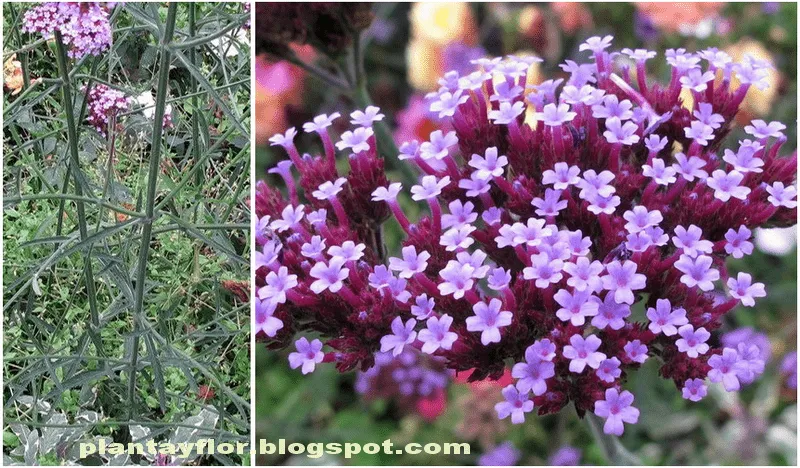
[{"x": 611, "y": 194}]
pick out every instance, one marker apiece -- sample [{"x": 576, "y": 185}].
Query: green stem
[
  {"x": 612, "y": 448},
  {"x": 152, "y": 185},
  {"x": 72, "y": 136},
  {"x": 193, "y": 87}
]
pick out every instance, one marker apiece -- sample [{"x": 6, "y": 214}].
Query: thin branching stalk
[
  {"x": 613, "y": 450},
  {"x": 72, "y": 135},
  {"x": 152, "y": 184},
  {"x": 194, "y": 86}
]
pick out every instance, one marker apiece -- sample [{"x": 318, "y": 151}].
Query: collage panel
[
  {"x": 525, "y": 234},
  {"x": 126, "y": 231}
]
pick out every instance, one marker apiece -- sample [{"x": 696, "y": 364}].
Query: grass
[{"x": 116, "y": 248}]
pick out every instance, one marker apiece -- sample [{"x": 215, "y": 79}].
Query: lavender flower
[
  {"x": 402, "y": 334},
  {"x": 438, "y": 334},
  {"x": 582, "y": 352},
  {"x": 616, "y": 409},
  {"x": 488, "y": 320},
  {"x": 516, "y": 405},
  {"x": 308, "y": 355}
]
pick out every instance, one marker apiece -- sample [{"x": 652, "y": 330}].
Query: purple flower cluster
[
  {"x": 564, "y": 210},
  {"x": 406, "y": 378},
  {"x": 102, "y": 104},
  {"x": 84, "y": 25}
]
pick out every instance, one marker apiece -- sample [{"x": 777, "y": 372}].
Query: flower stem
[
  {"x": 72, "y": 136},
  {"x": 612, "y": 448},
  {"x": 152, "y": 184}
]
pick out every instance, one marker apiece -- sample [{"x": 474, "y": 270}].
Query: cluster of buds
[
  {"x": 564, "y": 211},
  {"x": 103, "y": 104},
  {"x": 84, "y": 25}
]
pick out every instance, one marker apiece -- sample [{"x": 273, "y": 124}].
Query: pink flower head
[{"x": 545, "y": 235}]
